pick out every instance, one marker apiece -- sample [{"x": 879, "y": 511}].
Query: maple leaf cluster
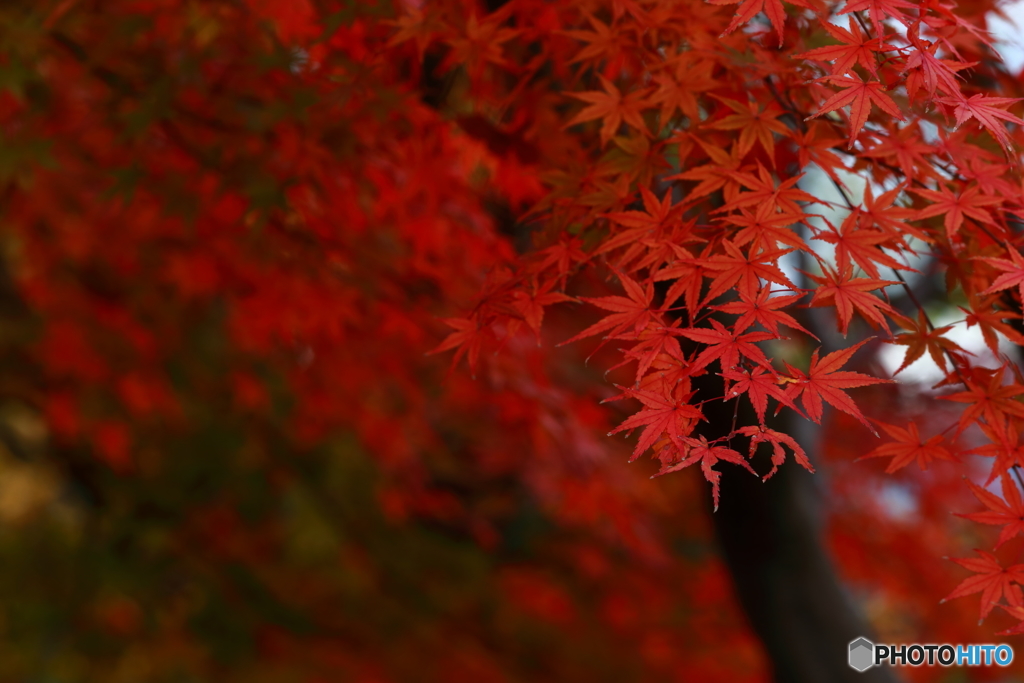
[{"x": 709, "y": 186}]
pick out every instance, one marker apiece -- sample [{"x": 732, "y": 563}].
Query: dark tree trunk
[
  {"x": 771, "y": 538},
  {"x": 785, "y": 580}
]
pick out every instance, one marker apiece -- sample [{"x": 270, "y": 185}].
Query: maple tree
[{"x": 286, "y": 278}]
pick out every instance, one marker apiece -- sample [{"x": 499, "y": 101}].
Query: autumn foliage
[
  {"x": 725, "y": 141},
  {"x": 295, "y": 291}
]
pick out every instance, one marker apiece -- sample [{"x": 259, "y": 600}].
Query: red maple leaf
[
  {"x": 531, "y": 304},
  {"x": 817, "y": 145},
  {"x": 1013, "y": 272},
  {"x": 968, "y": 203},
  {"x": 878, "y": 10},
  {"x": 824, "y": 381},
  {"x": 632, "y": 311},
  {"x": 661, "y": 415},
  {"x": 1007, "y": 512},
  {"x": 991, "y": 580},
  {"x": 925, "y": 68},
  {"x": 562, "y": 255},
  {"x": 748, "y": 9},
  {"x": 1004, "y": 445},
  {"x": 653, "y": 342},
  {"x": 764, "y": 309},
  {"x": 909, "y": 151},
  {"x": 755, "y": 123},
  {"x": 679, "y": 86},
  {"x": 767, "y": 228},
  {"x": 604, "y": 42},
  {"x": 760, "y": 434},
  {"x": 611, "y": 107},
  {"x": 989, "y": 318},
  {"x": 988, "y": 111},
  {"x": 641, "y": 226},
  {"x": 719, "y": 174},
  {"x": 744, "y": 271},
  {"x": 859, "y": 95},
  {"x": 726, "y": 346},
  {"x": 847, "y": 295},
  {"x": 466, "y": 340},
  {"x": 708, "y": 455},
  {"x": 908, "y": 447},
  {"x": 783, "y": 197},
  {"x": 688, "y": 273},
  {"x": 858, "y": 244},
  {"x": 656, "y": 213},
  {"x": 480, "y": 43},
  {"x": 992, "y": 401},
  {"x": 923, "y": 338},
  {"x": 758, "y": 384},
  {"x": 883, "y": 214},
  {"x": 853, "y": 48}
]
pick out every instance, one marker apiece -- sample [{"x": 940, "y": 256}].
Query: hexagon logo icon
[{"x": 862, "y": 654}]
